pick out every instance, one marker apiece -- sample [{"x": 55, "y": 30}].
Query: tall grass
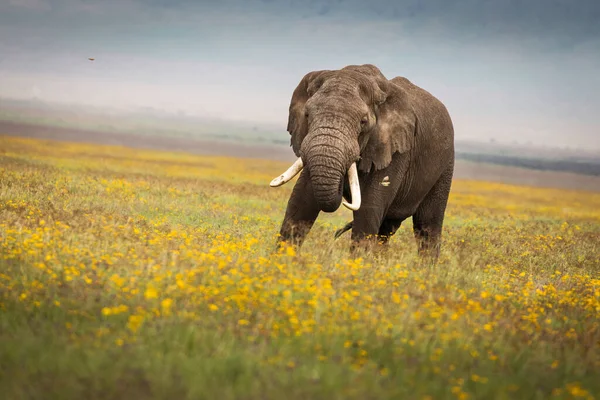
[{"x": 138, "y": 274}]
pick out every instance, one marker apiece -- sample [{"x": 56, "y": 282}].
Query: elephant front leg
[
  {"x": 371, "y": 229},
  {"x": 300, "y": 214},
  {"x": 365, "y": 230},
  {"x": 388, "y": 229}
]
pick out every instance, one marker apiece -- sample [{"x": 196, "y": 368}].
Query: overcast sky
[{"x": 515, "y": 70}]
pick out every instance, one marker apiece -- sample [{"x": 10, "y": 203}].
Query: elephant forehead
[
  {"x": 339, "y": 84},
  {"x": 350, "y": 78},
  {"x": 348, "y": 104},
  {"x": 342, "y": 90},
  {"x": 357, "y": 85}
]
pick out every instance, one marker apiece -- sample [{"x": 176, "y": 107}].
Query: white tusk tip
[
  {"x": 277, "y": 181},
  {"x": 351, "y": 206},
  {"x": 289, "y": 174},
  {"x": 354, "y": 189}
]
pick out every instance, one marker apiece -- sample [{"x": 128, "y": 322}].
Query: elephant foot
[
  {"x": 366, "y": 245},
  {"x": 282, "y": 244},
  {"x": 429, "y": 252}
]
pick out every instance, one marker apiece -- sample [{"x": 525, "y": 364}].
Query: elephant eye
[{"x": 364, "y": 120}]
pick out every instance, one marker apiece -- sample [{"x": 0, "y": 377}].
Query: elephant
[{"x": 382, "y": 148}]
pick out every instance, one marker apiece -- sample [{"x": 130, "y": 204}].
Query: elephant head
[{"x": 341, "y": 121}]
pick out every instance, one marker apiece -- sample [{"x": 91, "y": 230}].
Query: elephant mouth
[{"x": 351, "y": 175}]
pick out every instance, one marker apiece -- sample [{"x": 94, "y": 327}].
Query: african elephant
[{"x": 384, "y": 148}]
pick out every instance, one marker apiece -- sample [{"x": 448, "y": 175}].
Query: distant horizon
[
  {"x": 525, "y": 71},
  {"x": 270, "y": 126}
]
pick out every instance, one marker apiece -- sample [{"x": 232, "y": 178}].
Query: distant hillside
[
  {"x": 543, "y": 164},
  {"x": 140, "y": 122},
  {"x": 156, "y": 123}
]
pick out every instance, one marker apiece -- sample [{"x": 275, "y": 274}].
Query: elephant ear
[
  {"x": 395, "y": 129},
  {"x": 297, "y": 123}
]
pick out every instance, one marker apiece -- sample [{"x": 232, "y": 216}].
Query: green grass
[{"x": 137, "y": 274}]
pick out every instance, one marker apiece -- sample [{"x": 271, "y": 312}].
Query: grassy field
[{"x": 128, "y": 274}]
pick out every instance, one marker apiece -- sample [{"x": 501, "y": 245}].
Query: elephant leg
[
  {"x": 370, "y": 225},
  {"x": 365, "y": 229},
  {"x": 300, "y": 214},
  {"x": 388, "y": 229},
  {"x": 429, "y": 217}
]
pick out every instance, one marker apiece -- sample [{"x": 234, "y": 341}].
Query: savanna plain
[{"x": 140, "y": 274}]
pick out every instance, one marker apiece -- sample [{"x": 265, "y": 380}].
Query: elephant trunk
[{"x": 328, "y": 155}]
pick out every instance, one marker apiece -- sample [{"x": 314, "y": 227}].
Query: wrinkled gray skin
[{"x": 389, "y": 128}]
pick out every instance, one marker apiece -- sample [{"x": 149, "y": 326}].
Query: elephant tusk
[
  {"x": 354, "y": 189},
  {"x": 289, "y": 174}
]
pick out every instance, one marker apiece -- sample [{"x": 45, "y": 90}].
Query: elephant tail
[{"x": 346, "y": 227}]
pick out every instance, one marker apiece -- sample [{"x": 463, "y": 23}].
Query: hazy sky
[{"x": 527, "y": 70}]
